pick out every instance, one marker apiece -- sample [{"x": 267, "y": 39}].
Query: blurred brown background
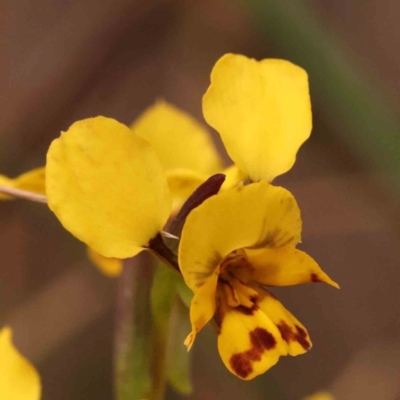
[{"x": 66, "y": 60}]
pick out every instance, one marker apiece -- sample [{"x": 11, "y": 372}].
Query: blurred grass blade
[{"x": 349, "y": 99}]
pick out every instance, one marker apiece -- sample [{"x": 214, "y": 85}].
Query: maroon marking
[
  {"x": 247, "y": 310},
  {"x": 314, "y": 278},
  {"x": 286, "y": 331},
  {"x": 302, "y": 338},
  {"x": 288, "y": 335},
  {"x": 241, "y": 364},
  {"x": 261, "y": 340}
]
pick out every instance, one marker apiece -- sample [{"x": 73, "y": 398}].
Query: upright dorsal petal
[{"x": 262, "y": 111}]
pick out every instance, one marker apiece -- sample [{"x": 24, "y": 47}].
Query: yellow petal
[
  {"x": 283, "y": 266},
  {"x": 32, "y": 181},
  {"x": 109, "y": 266},
  {"x": 262, "y": 111},
  {"x": 258, "y": 215},
  {"x": 249, "y": 343},
  {"x": 233, "y": 176},
  {"x": 177, "y": 138},
  {"x": 292, "y": 331},
  {"x": 320, "y": 396},
  {"x": 107, "y": 187},
  {"x": 5, "y": 181},
  {"x": 202, "y": 307},
  {"x": 182, "y": 183},
  {"x": 19, "y": 380}
]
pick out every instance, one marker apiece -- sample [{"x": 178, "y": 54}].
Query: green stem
[{"x": 133, "y": 331}]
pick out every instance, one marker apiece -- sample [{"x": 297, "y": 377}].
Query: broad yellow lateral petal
[
  {"x": 258, "y": 215},
  {"x": 283, "y": 266},
  {"x": 249, "y": 343},
  {"x": 177, "y": 138},
  {"x": 202, "y": 307},
  {"x": 291, "y": 329},
  {"x": 19, "y": 380},
  {"x": 182, "y": 183},
  {"x": 262, "y": 111},
  {"x": 107, "y": 187},
  {"x": 109, "y": 266},
  {"x": 32, "y": 181}
]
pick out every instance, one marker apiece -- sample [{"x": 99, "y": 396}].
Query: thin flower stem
[
  {"x": 133, "y": 330},
  {"x": 162, "y": 251},
  {"x": 23, "y": 194},
  {"x": 140, "y": 344}
]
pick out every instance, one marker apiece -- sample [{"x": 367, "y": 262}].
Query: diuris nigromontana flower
[
  {"x": 182, "y": 145},
  {"x": 19, "y": 380},
  {"x": 232, "y": 247},
  {"x": 239, "y": 242}
]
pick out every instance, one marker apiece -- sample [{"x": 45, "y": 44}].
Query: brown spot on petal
[
  {"x": 290, "y": 335},
  {"x": 302, "y": 338},
  {"x": 262, "y": 339},
  {"x": 242, "y": 363},
  {"x": 314, "y": 278}
]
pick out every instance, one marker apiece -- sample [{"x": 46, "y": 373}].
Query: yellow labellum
[
  {"x": 19, "y": 380},
  {"x": 107, "y": 187},
  {"x": 249, "y": 344},
  {"x": 262, "y": 111},
  {"x": 292, "y": 330}
]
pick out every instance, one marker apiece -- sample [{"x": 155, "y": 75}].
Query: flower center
[{"x": 235, "y": 291}]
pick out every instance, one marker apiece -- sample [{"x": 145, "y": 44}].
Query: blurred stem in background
[{"x": 348, "y": 99}]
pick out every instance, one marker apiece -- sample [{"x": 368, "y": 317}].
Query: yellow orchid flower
[
  {"x": 262, "y": 111},
  {"x": 177, "y": 142},
  {"x": 19, "y": 380},
  {"x": 240, "y": 241},
  {"x": 184, "y": 149},
  {"x": 234, "y": 245}
]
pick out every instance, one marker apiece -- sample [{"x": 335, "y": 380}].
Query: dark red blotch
[
  {"x": 261, "y": 340},
  {"x": 290, "y": 335}
]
